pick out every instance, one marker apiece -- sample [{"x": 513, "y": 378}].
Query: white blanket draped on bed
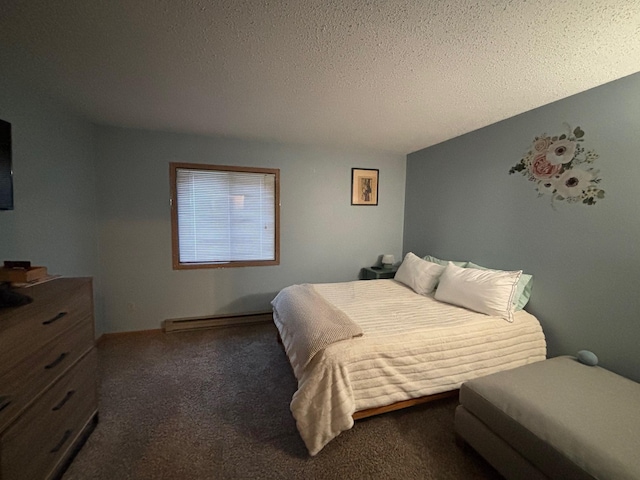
[
  {"x": 412, "y": 346},
  {"x": 313, "y": 322}
]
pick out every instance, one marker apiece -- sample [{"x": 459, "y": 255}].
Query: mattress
[{"x": 412, "y": 346}]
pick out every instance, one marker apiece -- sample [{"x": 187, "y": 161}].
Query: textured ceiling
[{"x": 390, "y": 75}]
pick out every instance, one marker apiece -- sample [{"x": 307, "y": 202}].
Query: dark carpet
[{"x": 214, "y": 404}]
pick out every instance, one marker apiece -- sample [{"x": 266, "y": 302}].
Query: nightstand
[{"x": 370, "y": 273}]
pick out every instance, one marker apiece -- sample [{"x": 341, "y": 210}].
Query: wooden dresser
[{"x": 48, "y": 379}]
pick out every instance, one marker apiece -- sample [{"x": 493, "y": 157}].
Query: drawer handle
[
  {"x": 4, "y": 402},
  {"x": 62, "y": 441},
  {"x": 56, "y": 318},
  {"x": 64, "y": 400},
  {"x": 60, "y": 358}
]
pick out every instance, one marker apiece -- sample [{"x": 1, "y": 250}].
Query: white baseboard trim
[{"x": 215, "y": 321}]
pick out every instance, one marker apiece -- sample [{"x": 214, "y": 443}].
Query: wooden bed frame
[{"x": 370, "y": 412}]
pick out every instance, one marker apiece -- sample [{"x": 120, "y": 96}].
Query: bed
[{"x": 376, "y": 344}]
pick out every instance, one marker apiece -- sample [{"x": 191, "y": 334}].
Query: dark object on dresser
[
  {"x": 11, "y": 298},
  {"x": 47, "y": 379},
  {"x": 25, "y": 264}
]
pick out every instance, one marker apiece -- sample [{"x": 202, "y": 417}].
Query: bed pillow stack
[
  {"x": 466, "y": 284},
  {"x": 491, "y": 292},
  {"x": 418, "y": 274},
  {"x": 444, "y": 263}
]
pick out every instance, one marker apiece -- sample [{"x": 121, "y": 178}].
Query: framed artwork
[{"x": 364, "y": 186}]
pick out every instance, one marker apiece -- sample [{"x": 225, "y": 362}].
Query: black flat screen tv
[{"x": 6, "y": 172}]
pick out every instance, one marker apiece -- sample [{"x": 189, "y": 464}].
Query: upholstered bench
[{"x": 557, "y": 419}]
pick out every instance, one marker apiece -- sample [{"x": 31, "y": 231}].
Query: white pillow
[
  {"x": 485, "y": 291},
  {"x": 523, "y": 292},
  {"x": 420, "y": 275}
]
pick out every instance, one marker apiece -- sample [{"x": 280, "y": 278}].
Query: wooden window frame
[{"x": 175, "y": 240}]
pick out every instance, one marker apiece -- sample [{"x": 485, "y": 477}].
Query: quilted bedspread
[{"x": 412, "y": 346}]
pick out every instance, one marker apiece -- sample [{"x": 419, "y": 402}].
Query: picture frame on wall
[{"x": 364, "y": 186}]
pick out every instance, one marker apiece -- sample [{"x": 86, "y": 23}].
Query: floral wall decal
[{"x": 560, "y": 167}]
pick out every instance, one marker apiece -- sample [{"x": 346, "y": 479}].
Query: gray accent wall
[
  {"x": 323, "y": 238},
  {"x": 462, "y": 204}
]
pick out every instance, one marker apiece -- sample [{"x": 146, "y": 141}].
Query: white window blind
[{"x": 225, "y": 216}]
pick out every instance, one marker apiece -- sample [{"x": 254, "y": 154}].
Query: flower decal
[
  {"x": 552, "y": 163},
  {"x": 561, "y": 152},
  {"x": 573, "y": 182},
  {"x": 541, "y": 168}
]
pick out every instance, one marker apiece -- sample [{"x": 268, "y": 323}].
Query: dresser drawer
[
  {"x": 57, "y": 305},
  {"x": 33, "y": 447},
  {"x": 21, "y": 385}
]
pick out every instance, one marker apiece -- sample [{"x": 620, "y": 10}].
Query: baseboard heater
[{"x": 215, "y": 321}]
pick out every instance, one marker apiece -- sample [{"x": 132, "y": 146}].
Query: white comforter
[{"x": 412, "y": 346}]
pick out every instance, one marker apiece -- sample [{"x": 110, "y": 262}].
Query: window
[{"x": 224, "y": 216}]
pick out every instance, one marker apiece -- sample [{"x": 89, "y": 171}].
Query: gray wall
[
  {"x": 461, "y": 203},
  {"x": 54, "y": 221},
  {"x": 323, "y": 238}
]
